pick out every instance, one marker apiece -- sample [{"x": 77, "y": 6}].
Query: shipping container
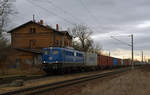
[
  {"x": 119, "y": 61},
  {"x": 126, "y": 62},
  {"x": 122, "y": 62},
  {"x": 102, "y": 61},
  {"x": 129, "y": 62},
  {"x": 90, "y": 59},
  {"x": 137, "y": 63},
  {"x": 99, "y": 60},
  {"x": 110, "y": 61},
  {"x": 105, "y": 60},
  {"x": 115, "y": 63}
]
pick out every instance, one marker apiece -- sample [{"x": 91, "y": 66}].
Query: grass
[{"x": 21, "y": 71}]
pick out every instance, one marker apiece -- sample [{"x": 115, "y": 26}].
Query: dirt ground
[
  {"x": 136, "y": 82},
  {"x": 46, "y": 80}
]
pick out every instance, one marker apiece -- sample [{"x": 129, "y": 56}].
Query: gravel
[
  {"x": 136, "y": 82},
  {"x": 42, "y": 81}
]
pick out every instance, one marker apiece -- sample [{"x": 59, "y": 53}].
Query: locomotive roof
[{"x": 69, "y": 48}]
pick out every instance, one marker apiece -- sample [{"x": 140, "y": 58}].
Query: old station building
[{"x": 31, "y": 37}]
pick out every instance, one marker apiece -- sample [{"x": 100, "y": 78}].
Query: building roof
[
  {"x": 36, "y": 51},
  {"x": 41, "y": 25}
]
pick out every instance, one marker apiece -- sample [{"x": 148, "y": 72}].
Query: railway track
[
  {"x": 51, "y": 86},
  {"x": 6, "y": 80}
]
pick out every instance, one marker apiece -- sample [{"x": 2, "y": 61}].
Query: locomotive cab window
[{"x": 46, "y": 52}]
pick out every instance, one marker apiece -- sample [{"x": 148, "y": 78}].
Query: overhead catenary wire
[
  {"x": 66, "y": 12},
  {"x": 89, "y": 11},
  {"x": 52, "y": 13},
  {"x": 132, "y": 48},
  {"x": 37, "y": 13},
  {"x": 120, "y": 41},
  {"x": 74, "y": 17},
  {"x": 113, "y": 37},
  {"x": 55, "y": 14}
]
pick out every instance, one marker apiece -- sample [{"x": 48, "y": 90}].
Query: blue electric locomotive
[{"x": 57, "y": 59}]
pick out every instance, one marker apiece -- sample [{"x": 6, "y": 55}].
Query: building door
[{"x": 32, "y": 43}]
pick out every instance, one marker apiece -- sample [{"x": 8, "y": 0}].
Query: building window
[
  {"x": 57, "y": 43},
  {"x": 60, "y": 43},
  {"x": 66, "y": 43},
  {"x": 71, "y": 43},
  {"x": 32, "y": 30}
]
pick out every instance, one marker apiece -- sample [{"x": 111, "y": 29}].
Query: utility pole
[
  {"x": 33, "y": 18},
  {"x": 109, "y": 53},
  {"x": 132, "y": 53},
  {"x": 142, "y": 56},
  {"x": 144, "y": 59},
  {"x": 131, "y": 45}
]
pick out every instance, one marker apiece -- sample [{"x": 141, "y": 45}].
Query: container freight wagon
[
  {"x": 126, "y": 62},
  {"x": 115, "y": 62},
  {"x": 105, "y": 61},
  {"x": 119, "y": 62},
  {"x": 102, "y": 61},
  {"x": 137, "y": 63},
  {"x": 110, "y": 62},
  {"x": 90, "y": 62},
  {"x": 90, "y": 59},
  {"x": 122, "y": 64},
  {"x": 99, "y": 60}
]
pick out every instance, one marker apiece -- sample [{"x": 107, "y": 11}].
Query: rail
[{"x": 51, "y": 86}]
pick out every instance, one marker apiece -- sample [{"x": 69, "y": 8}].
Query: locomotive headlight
[{"x": 44, "y": 62}]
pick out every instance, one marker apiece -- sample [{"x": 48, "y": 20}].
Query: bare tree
[
  {"x": 5, "y": 10},
  {"x": 96, "y": 48},
  {"x": 82, "y": 39}
]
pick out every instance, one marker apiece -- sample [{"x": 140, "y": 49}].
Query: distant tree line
[{"x": 5, "y": 11}]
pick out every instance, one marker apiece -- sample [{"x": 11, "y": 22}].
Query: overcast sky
[{"x": 106, "y": 18}]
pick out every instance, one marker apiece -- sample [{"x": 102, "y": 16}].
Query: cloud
[{"x": 105, "y": 17}]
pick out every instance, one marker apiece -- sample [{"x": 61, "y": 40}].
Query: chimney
[
  {"x": 33, "y": 18},
  {"x": 57, "y": 27},
  {"x": 41, "y": 22}
]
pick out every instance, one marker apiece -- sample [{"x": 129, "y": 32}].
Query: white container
[
  {"x": 90, "y": 59},
  {"x": 122, "y": 62}
]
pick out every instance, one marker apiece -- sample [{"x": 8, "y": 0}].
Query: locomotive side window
[
  {"x": 79, "y": 55},
  {"x": 70, "y": 53},
  {"x": 55, "y": 52}
]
